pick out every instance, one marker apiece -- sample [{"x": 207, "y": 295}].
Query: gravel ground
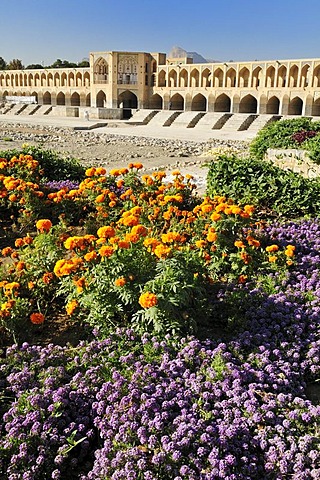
[{"x": 116, "y": 151}]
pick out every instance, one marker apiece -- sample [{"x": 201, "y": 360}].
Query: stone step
[
  {"x": 44, "y": 110},
  {"x": 187, "y": 119},
  {"x": 261, "y": 121},
  {"x": 31, "y": 109},
  {"x": 142, "y": 116},
  {"x": 239, "y": 122},
  {"x": 164, "y": 118}
]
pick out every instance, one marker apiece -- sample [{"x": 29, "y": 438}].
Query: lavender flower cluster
[
  {"x": 55, "y": 185},
  {"x": 144, "y": 408}
]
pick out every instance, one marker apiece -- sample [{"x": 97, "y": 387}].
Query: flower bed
[{"x": 149, "y": 263}]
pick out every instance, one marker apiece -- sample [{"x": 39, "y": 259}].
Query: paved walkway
[{"x": 121, "y": 127}]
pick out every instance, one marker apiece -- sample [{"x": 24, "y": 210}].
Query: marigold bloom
[
  {"x": 106, "y": 232},
  {"x": 71, "y": 307},
  {"x": 245, "y": 257},
  {"x": 106, "y": 251},
  {"x": 123, "y": 244},
  {"x": 90, "y": 256},
  {"x": 289, "y": 251},
  {"x": 90, "y": 172},
  {"x": 148, "y": 300},
  {"x": 162, "y": 251},
  {"x": 215, "y": 217},
  {"x": 139, "y": 230},
  {"x": 120, "y": 282},
  {"x": 19, "y": 242},
  {"x": 37, "y": 318},
  {"x": 132, "y": 237},
  {"x": 212, "y": 236},
  {"x": 6, "y": 251},
  {"x": 239, "y": 244},
  {"x": 272, "y": 248},
  {"x": 253, "y": 242},
  {"x": 47, "y": 277},
  {"x": 200, "y": 243},
  {"x": 44, "y": 225},
  {"x": 272, "y": 258}
]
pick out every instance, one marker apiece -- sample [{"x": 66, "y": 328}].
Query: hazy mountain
[{"x": 178, "y": 52}]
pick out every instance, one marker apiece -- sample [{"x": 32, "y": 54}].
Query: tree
[
  {"x": 15, "y": 64},
  {"x": 84, "y": 63},
  {"x": 3, "y": 64},
  {"x": 63, "y": 64},
  {"x": 34, "y": 66}
]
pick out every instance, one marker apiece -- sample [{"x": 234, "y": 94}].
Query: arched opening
[
  {"x": 222, "y": 103},
  {"x": 127, "y": 100},
  {"x": 34, "y": 94},
  {"x": 162, "y": 79},
  {"x": 295, "y": 106},
  {"x": 183, "y": 78},
  {"x": 270, "y": 77},
  {"x": 61, "y": 99},
  {"x": 79, "y": 80},
  {"x": 194, "y": 78},
  {"x": 206, "y": 78},
  {"x": 218, "y": 78},
  {"x": 43, "y": 80},
  {"x": 316, "y": 108},
  {"x": 101, "y": 99},
  {"x": 71, "y": 82},
  {"x": 244, "y": 77},
  {"x": 156, "y": 102},
  {"x": 282, "y": 76},
  {"x": 50, "y": 80},
  {"x": 88, "y": 100},
  {"x": 199, "y": 103},
  {"x": 100, "y": 71},
  {"x": 293, "y": 76},
  {"x": 248, "y": 104},
  {"x": 177, "y": 102},
  {"x": 86, "y": 79},
  {"x": 46, "y": 99},
  {"x": 75, "y": 99},
  {"x": 173, "y": 78},
  {"x": 316, "y": 77},
  {"x": 231, "y": 78},
  {"x": 273, "y": 106},
  {"x": 305, "y": 76},
  {"x": 56, "y": 80},
  {"x": 64, "y": 80},
  {"x": 257, "y": 77}
]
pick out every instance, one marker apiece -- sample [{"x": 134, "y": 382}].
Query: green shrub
[
  {"x": 265, "y": 185},
  {"x": 279, "y": 135},
  {"x": 52, "y": 164}
]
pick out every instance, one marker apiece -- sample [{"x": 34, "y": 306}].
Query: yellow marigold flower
[
  {"x": 148, "y": 300},
  {"x": 206, "y": 208},
  {"x": 162, "y": 251},
  {"x": 272, "y": 258},
  {"x": 212, "y": 236},
  {"x": 170, "y": 237},
  {"x": 44, "y": 225},
  {"x": 37, "y": 318},
  {"x": 289, "y": 251},
  {"x": 31, "y": 285},
  {"x": 106, "y": 251},
  {"x": 120, "y": 282},
  {"x": 239, "y": 244},
  {"x": 90, "y": 172},
  {"x": 71, "y": 307},
  {"x": 236, "y": 210},
  {"x": 200, "y": 243},
  {"x": 100, "y": 198},
  {"x": 132, "y": 237},
  {"x": 130, "y": 221},
  {"x": 215, "y": 217},
  {"x": 106, "y": 232},
  {"x": 249, "y": 209},
  {"x": 272, "y": 248}
]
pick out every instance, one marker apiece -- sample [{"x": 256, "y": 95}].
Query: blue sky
[{"x": 37, "y": 31}]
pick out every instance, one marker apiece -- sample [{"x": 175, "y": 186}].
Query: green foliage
[
  {"x": 279, "y": 135},
  {"x": 313, "y": 147},
  {"x": 265, "y": 185}
]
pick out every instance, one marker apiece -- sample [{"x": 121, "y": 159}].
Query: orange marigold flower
[
  {"x": 212, "y": 236},
  {"x": 20, "y": 266},
  {"x": 90, "y": 172},
  {"x": 37, "y": 318},
  {"x": 148, "y": 300},
  {"x": 272, "y": 258},
  {"x": 120, "y": 282},
  {"x": 139, "y": 230},
  {"x": 6, "y": 251},
  {"x": 130, "y": 221},
  {"x": 31, "y": 285},
  {"x": 47, "y": 277},
  {"x": 132, "y": 237},
  {"x": 106, "y": 232},
  {"x": 90, "y": 256},
  {"x": 44, "y": 225},
  {"x": 123, "y": 244},
  {"x": 245, "y": 257},
  {"x": 200, "y": 243},
  {"x": 242, "y": 278},
  {"x": 253, "y": 242},
  {"x": 19, "y": 242},
  {"x": 100, "y": 198},
  {"x": 215, "y": 217},
  {"x": 239, "y": 244},
  {"x": 101, "y": 171},
  {"x": 106, "y": 251},
  {"x": 289, "y": 251},
  {"x": 272, "y": 248}
]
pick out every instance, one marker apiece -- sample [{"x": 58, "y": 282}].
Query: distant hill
[{"x": 178, "y": 52}]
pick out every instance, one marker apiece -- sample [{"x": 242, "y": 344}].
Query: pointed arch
[
  {"x": 282, "y": 76},
  {"x": 199, "y": 103},
  {"x": 194, "y": 77},
  {"x": 273, "y": 105},
  {"x": 270, "y": 76},
  {"x": 75, "y": 99},
  {"x": 304, "y": 81},
  {"x": 222, "y": 103},
  {"x": 316, "y": 108},
  {"x": 295, "y": 106},
  {"x": 100, "y": 71},
  {"x": 217, "y": 78},
  {"x": 206, "y": 78},
  {"x": 162, "y": 82},
  {"x": 231, "y": 77},
  {"x": 183, "y": 78},
  {"x": 46, "y": 99},
  {"x": 177, "y": 102},
  {"x": 293, "y": 76},
  {"x": 257, "y": 76},
  {"x": 128, "y": 100},
  {"x": 101, "y": 99},
  {"x": 248, "y": 104},
  {"x": 172, "y": 78},
  {"x": 61, "y": 99},
  {"x": 156, "y": 102},
  {"x": 244, "y": 75}
]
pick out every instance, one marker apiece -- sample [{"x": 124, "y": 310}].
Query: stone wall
[{"x": 294, "y": 159}]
